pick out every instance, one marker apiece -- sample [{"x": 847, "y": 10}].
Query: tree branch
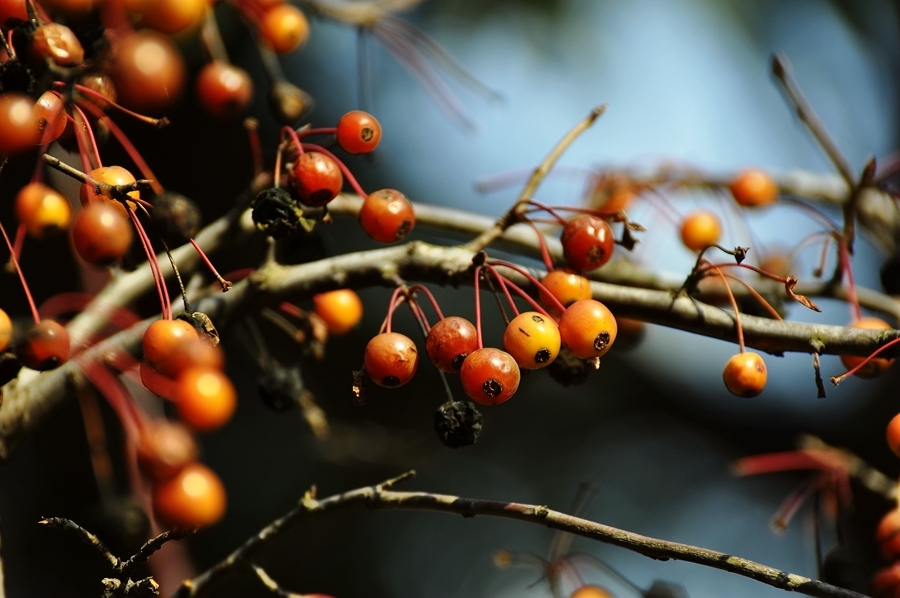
[{"x": 382, "y": 497}]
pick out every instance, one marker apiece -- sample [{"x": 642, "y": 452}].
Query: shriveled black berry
[
  {"x": 890, "y": 276},
  {"x": 458, "y": 423},
  {"x": 280, "y": 387},
  {"x": 175, "y": 217},
  {"x": 15, "y": 75},
  {"x": 278, "y": 214},
  {"x": 568, "y": 369}
]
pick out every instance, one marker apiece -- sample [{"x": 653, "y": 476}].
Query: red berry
[
  {"x": 449, "y": 342},
  {"x": 169, "y": 16},
  {"x": 224, "y": 89},
  {"x": 887, "y": 534},
  {"x": 161, "y": 339},
  {"x": 315, "y": 178},
  {"x": 358, "y": 132},
  {"x": 58, "y": 44},
  {"x": 532, "y": 339},
  {"x": 148, "y": 71},
  {"x": 700, "y": 229},
  {"x": 391, "y": 359},
  {"x": 490, "y": 376},
  {"x": 387, "y": 216},
  {"x": 587, "y": 242},
  {"x": 100, "y": 233},
  {"x": 745, "y": 375},
  {"x": 12, "y": 9},
  {"x": 44, "y": 347},
  {"x": 588, "y": 329},
  {"x": 19, "y": 126},
  {"x": 875, "y": 367},
  {"x": 42, "y": 209},
  {"x": 754, "y": 188}
]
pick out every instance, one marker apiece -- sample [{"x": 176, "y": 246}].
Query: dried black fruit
[
  {"x": 568, "y": 370},
  {"x": 278, "y": 214},
  {"x": 175, "y": 217},
  {"x": 458, "y": 423},
  {"x": 280, "y": 387}
]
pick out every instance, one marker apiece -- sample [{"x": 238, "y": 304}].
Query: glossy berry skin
[
  {"x": 591, "y": 591},
  {"x": 164, "y": 449},
  {"x": 101, "y": 234},
  {"x": 449, "y": 342},
  {"x": 223, "y": 89},
  {"x": 358, "y": 132},
  {"x": 752, "y": 188},
  {"x": 588, "y": 242},
  {"x": 100, "y": 83},
  {"x": 391, "y": 359},
  {"x": 160, "y": 341},
  {"x": 877, "y": 366},
  {"x": 588, "y": 329},
  {"x": 44, "y": 347},
  {"x": 387, "y": 216},
  {"x": 204, "y": 398},
  {"x": 42, "y": 210},
  {"x": 195, "y": 496},
  {"x": 567, "y": 287},
  {"x": 12, "y": 9},
  {"x": 341, "y": 310},
  {"x": 893, "y": 435},
  {"x": 148, "y": 71},
  {"x": 111, "y": 175},
  {"x": 745, "y": 375},
  {"x": 284, "y": 28},
  {"x": 700, "y": 229},
  {"x": 49, "y": 110},
  {"x": 315, "y": 179},
  {"x": 19, "y": 126},
  {"x": 490, "y": 376},
  {"x": 58, "y": 44},
  {"x": 532, "y": 339},
  {"x": 6, "y": 330},
  {"x": 887, "y": 534},
  {"x": 169, "y": 16}
]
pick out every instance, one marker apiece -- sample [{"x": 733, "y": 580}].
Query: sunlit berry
[
  {"x": 223, "y": 89},
  {"x": 876, "y": 366},
  {"x": 567, "y": 287},
  {"x": 754, "y": 188},
  {"x": 19, "y": 126},
  {"x": 391, "y": 359},
  {"x": 745, "y": 375},
  {"x": 893, "y": 434},
  {"x": 195, "y": 496},
  {"x": 587, "y": 242},
  {"x": 148, "y": 71},
  {"x": 42, "y": 209},
  {"x": 450, "y": 341},
  {"x": 111, "y": 175},
  {"x": 387, "y": 216},
  {"x": 358, "y": 132},
  {"x": 490, "y": 376},
  {"x": 45, "y": 346},
  {"x": 315, "y": 178},
  {"x": 6, "y": 330},
  {"x": 592, "y": 591},
  {"x": 169, "y": 16},
  {"x": 532, "y": 339},
  {"x": 588, "y": 329},
  {"x": 100, "y": 233},
  {"x": 58, "y": 44},
  {"x": 160, "y": 341},
  {"x": 700, "y": 229},
  {"x": 165, "y": 448},
  {"x": 341, "y": 310},
  {"x": 49, "y": 110},
  {"x": 205, "y": 398},
  {"x": 283, "y": 28}
]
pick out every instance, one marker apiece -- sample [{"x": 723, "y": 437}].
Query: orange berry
[
  {"x": 588, "y": 329},
  {"x": 169, "y": 16},
  {"x": 893, "y": 434},
  {"x": 58, "y": 44},
  {"x": 161, "y": 339},
  {"x": 532, "y": 339},
  {"x": 875, "y": 367},
  {"x": 42, "y": 210},
  {"x": 591, "y": 591},
  {"x": 205, "y": 398},
  {"x": 341, "y": 310},
  {"x": 164, "y": 449},
  {"x": 101, "y": 234},
  {"x": 50, "y": 112},
  {"x": 391, "y": 359},
  {"x": 19, "y": 126},
  {"x": 111, "y": 175},
  {"x": 6, "y": 330},
  {"x": 700, "y": 229},
  {"x": 284, "y": 27},
  {"x": 45, "y": 346},
  {"x": 148, "y": 71},
  {"x": 745, "y": 375},
  {"x": 567, "y": 287},
  {"x": 387, "y": 216},
  {"x": 449, "y": 342},
  {"x": 754, "y": 188},
  {"x": 490, "y": 376},
  {"x": 195, "y": 496}
]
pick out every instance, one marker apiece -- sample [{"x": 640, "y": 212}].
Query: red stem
[
  {"x": 499, "y": 278},
  {"x": 291, "y": 309},
  {"x": 478, "y": 306},
  {"x": 418, "y": 314},
  {"x": 537, "y": 283},
  {"x": 838, "y": 379},
  {"x": 347, "y": 174},
  {"x": 542, "y": 243},
  {"x": 223, "y": 282},
  {"x": 418, "y": 287},
  {"x": 166, "y": 309},
  {"x": 734, "y": 306},
  {"x": 788, "y": 461},
  {"x": 90, "y": 133},
  {"x": 395, "y": 301},
  {"x": 759, "y": 298},
  {"x": 156, "y": 122},
  {"x": 852, "y": 299},
  {"x": 319, "y": 131},
  {"x": 290, "y": 132},
  {"x": 15, "y": 261},
  {"x": 550, "y": 210}
]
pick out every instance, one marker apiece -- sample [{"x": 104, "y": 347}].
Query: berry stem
[
  {"x": 759, "y": 298},
  {"x": 158, "y": 123},
  {"x": 788, "y": 461},
  {"x": 319, "y": 131},
  {"x": 84, "y": 143},
  {"x": 19, "y": 242},
  {"x": 397, "y": 296},
  {"x": 852, "y": 298},
  {"x": 503, "y": 288},
  {"x": 550, "y": 210},
  {"x": 291, "y": 309},
  {"x": 521, "y": 292},
  {"x": 796, "y": 499},
  {"x": 292, "y": 135},
  {"x": 542, "y": 243},
  {"x": 225, "y": 284},
  {"x": 813, "y": 212},
  {"x": 838, "y": 379},
  {"x": 346, "y": 171},
  {"x": 89, "y": 131},
  {"x": 478, "y": 306},
  {"x": 15, "y": 261},
  {"x": 165, "y": 303},
  {"x": 734, "y": 306},
  {"x": 534, "y": 281},
  {"x": 419, "y": 315},
  {"x": 419, "y": 287}
]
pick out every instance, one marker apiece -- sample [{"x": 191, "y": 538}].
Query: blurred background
[{"x": 687, "y": 82}]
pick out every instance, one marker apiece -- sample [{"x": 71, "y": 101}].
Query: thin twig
[{"x": 382, "y": 497}]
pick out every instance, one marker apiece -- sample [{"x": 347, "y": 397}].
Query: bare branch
[{"x": 381, "y": 497}]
